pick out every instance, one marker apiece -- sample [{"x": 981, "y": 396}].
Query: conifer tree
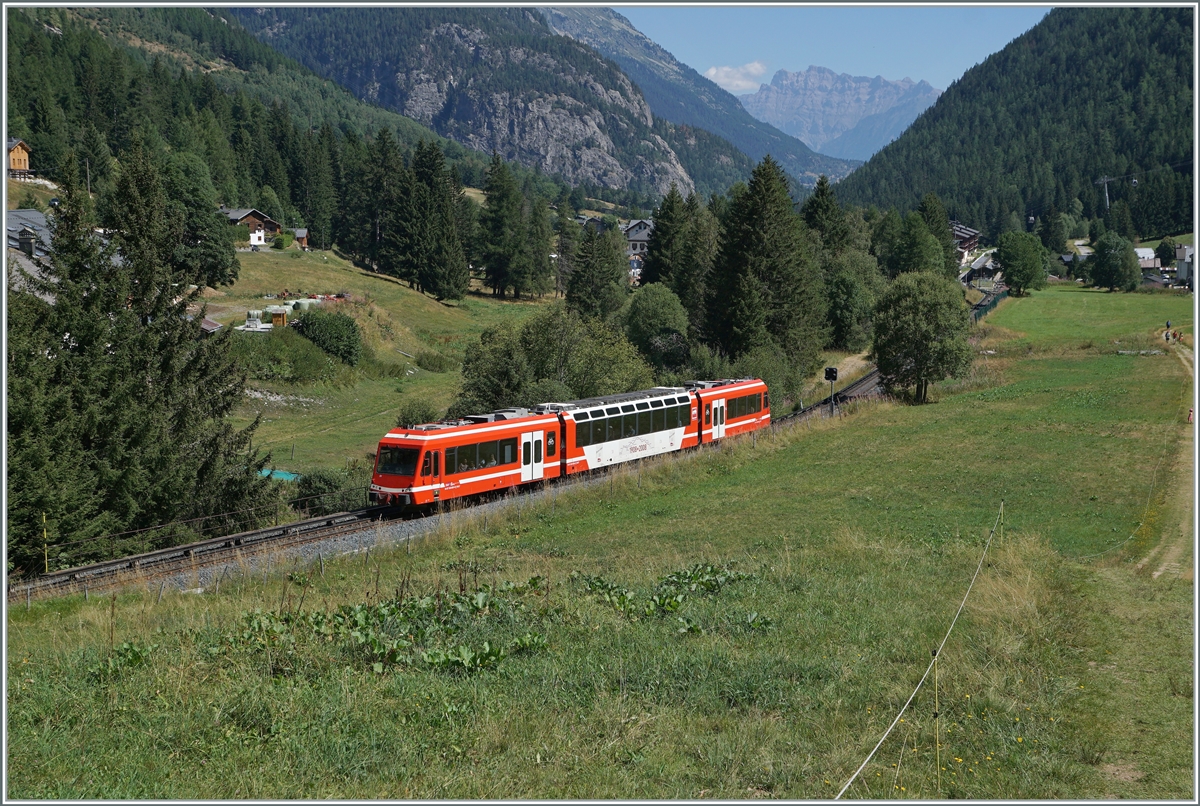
[
  {"x": 596, "y": 288},
  {"x": 123, "y": 400},
  {"x": 934, "y": 213},
  {"x": 569, "y": 234},
  {"x": 689, "y": 279},
  {"x": 823, "y": 214},
  {"x": 766, "y": 261},
  {"x": 502, "y": 233},
  {"x": 664, "y": 250}
]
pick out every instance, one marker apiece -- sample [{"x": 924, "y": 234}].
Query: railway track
[{"x": 163, "y": 564}]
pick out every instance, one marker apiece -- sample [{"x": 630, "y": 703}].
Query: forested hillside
[
  {"x": 683, "y": 96},
  {"x": 492, "y": 79},
  {"x": 215, "y": 43},
  {"x": 1086, "y": 93}
]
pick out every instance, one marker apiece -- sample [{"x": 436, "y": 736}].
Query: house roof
[
  {"x": 12, "y": 143},
  {"x": 300, "y": 232},
  {"x": 1144, "y": 253},
  {"x": 236, "y": 216},
  {"x": 962, "y": 232},
  {"x": 16, "y": 220}
]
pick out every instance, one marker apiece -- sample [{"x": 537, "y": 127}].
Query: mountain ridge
[
  {"x": 679, "y": 94},
  {"x": 824, "y": 109}
]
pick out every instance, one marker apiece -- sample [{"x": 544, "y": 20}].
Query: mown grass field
[{"x": 1064, "y": 677}]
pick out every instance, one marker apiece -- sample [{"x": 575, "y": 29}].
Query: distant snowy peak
[{"x": 825, "y": 109}]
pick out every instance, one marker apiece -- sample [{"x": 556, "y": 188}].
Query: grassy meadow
[
  {"x": 738, "y": 622},
  {"x": 334, "y": 423}
]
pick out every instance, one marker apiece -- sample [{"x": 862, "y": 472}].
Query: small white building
[
  {"x": 637, "y": 237},
  {"x": 1147, "y": 259}
]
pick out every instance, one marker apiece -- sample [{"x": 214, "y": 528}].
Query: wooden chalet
[
  {"x": 18, "y": 160},
  {"x": 262, "y": 226}
]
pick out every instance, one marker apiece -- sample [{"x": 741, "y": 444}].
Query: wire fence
[
  {"x": 999, "y": 524},
  {"x": 987, "y": 305}
]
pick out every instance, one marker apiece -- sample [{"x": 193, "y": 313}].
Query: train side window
[
  {"x": 766, "y": 400},
  {"x": 525, "y": 454},
  {"x": 708, "y": 413},
  {"x": 437, "y": 464},
  {"x": 644, "y": 424},
  {"x": 466, "y": 458},
  {"x": 643, "y": 406},
  {"x": 583, "y": 434},
  {"x": 488, "y": 454},
  {"x": 427, "y": 465},
  {"x": 657, "y": 423},
  {"x": 508, "y": 451},
  {"x": 599, "y": 431},
  {"x": 614, "y": 428},
  {"x": 550, "y": 446},
  {"x": 451, "y": 460},
  {"x": 630, "y": 429},
  {"x": 721, "y": 414},
  {"x": 656, "y": 404},
  {"x": 537, "y": 450}
]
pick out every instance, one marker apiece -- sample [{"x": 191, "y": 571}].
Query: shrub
[
  {"x": 335, "y": 333},
  {"x": 415, "y": 411},
  {"x": 336, "y": 488},
  {"x": 281, "y": 355},
  {"x": 434, "y": 361},
  {"x": 241, "y": 234}
]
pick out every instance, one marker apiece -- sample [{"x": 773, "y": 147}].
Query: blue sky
[{"x": 741, "y": 47}]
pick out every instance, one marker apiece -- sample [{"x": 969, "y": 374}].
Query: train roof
[{"x": 542, "y": 409}]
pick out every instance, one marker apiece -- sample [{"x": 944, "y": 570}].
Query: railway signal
[{"x": 831, "y": 376}]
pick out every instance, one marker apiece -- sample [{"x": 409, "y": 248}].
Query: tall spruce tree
[
  {"x": 596, "y": 288},
  {"x": 689, "y": 279},
  {"x": 117, "y": 374},
  {"x": 664, "y": 252},
  {"x": 825, "y": 216},
  {"x": 934, "y": 213},
  {"x": 441, "y": 264},
  {"x": 569, "y": 235},
  {"x": 766, "y": 260},
  {"x": 502, "y": 233}
]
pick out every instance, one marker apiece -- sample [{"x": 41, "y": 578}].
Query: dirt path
[{"x": 1173, "y": 557}]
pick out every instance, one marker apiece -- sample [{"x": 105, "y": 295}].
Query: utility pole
[{"x": 1104, "y": 180}]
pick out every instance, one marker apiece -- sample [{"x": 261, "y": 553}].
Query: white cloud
[{"x": 737, "y": 79}]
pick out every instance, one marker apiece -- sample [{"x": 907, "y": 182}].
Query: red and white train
[{"x": 420, "y": 466}]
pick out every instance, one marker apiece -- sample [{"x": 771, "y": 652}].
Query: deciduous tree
[{"x": 920, "y": 333}]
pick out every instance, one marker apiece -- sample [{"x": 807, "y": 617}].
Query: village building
[
  {"x": 18, "y": 160},
  {"x": 965, "y": 238},
  {"x": 262, "y": 226},
  {"x": 301, "y": 234}
]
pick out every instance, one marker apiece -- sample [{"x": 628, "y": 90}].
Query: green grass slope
[
  {"x": 337, "y": 422},
  {"x": 852, "y": 541}
]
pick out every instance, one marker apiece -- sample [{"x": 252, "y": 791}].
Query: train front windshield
[{"x": 397, "y": 461}]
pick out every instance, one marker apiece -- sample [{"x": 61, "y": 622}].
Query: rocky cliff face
[
  {"x": 492, "y": 80},
  {"x": 679, "y": 94},
  {"x": 819, "y": 106}
]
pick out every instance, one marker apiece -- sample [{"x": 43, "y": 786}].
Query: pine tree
[
  {"x": 596, "y": 288},
  {"x": 766, "y": 260},
  {"x": 502, "y": 233},
  {"x": 689, "y": 280},
  {"x": 540, "y": 239},
  {"x": 822, "y": 213},
  {"x": 934, "y": 213},
  {"x": 569, "y": 235},
  {"x": 123, "y": 400},
  {"x": 664, "y": 250}
]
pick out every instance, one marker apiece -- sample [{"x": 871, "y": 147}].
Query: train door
[
  {"x": 533, "y": 459},
  {"x": 431, "y": 469},
  {"x": 718, "y": 419}
]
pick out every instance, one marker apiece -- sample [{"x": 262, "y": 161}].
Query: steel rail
[{"x": 165, "y": 562}]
